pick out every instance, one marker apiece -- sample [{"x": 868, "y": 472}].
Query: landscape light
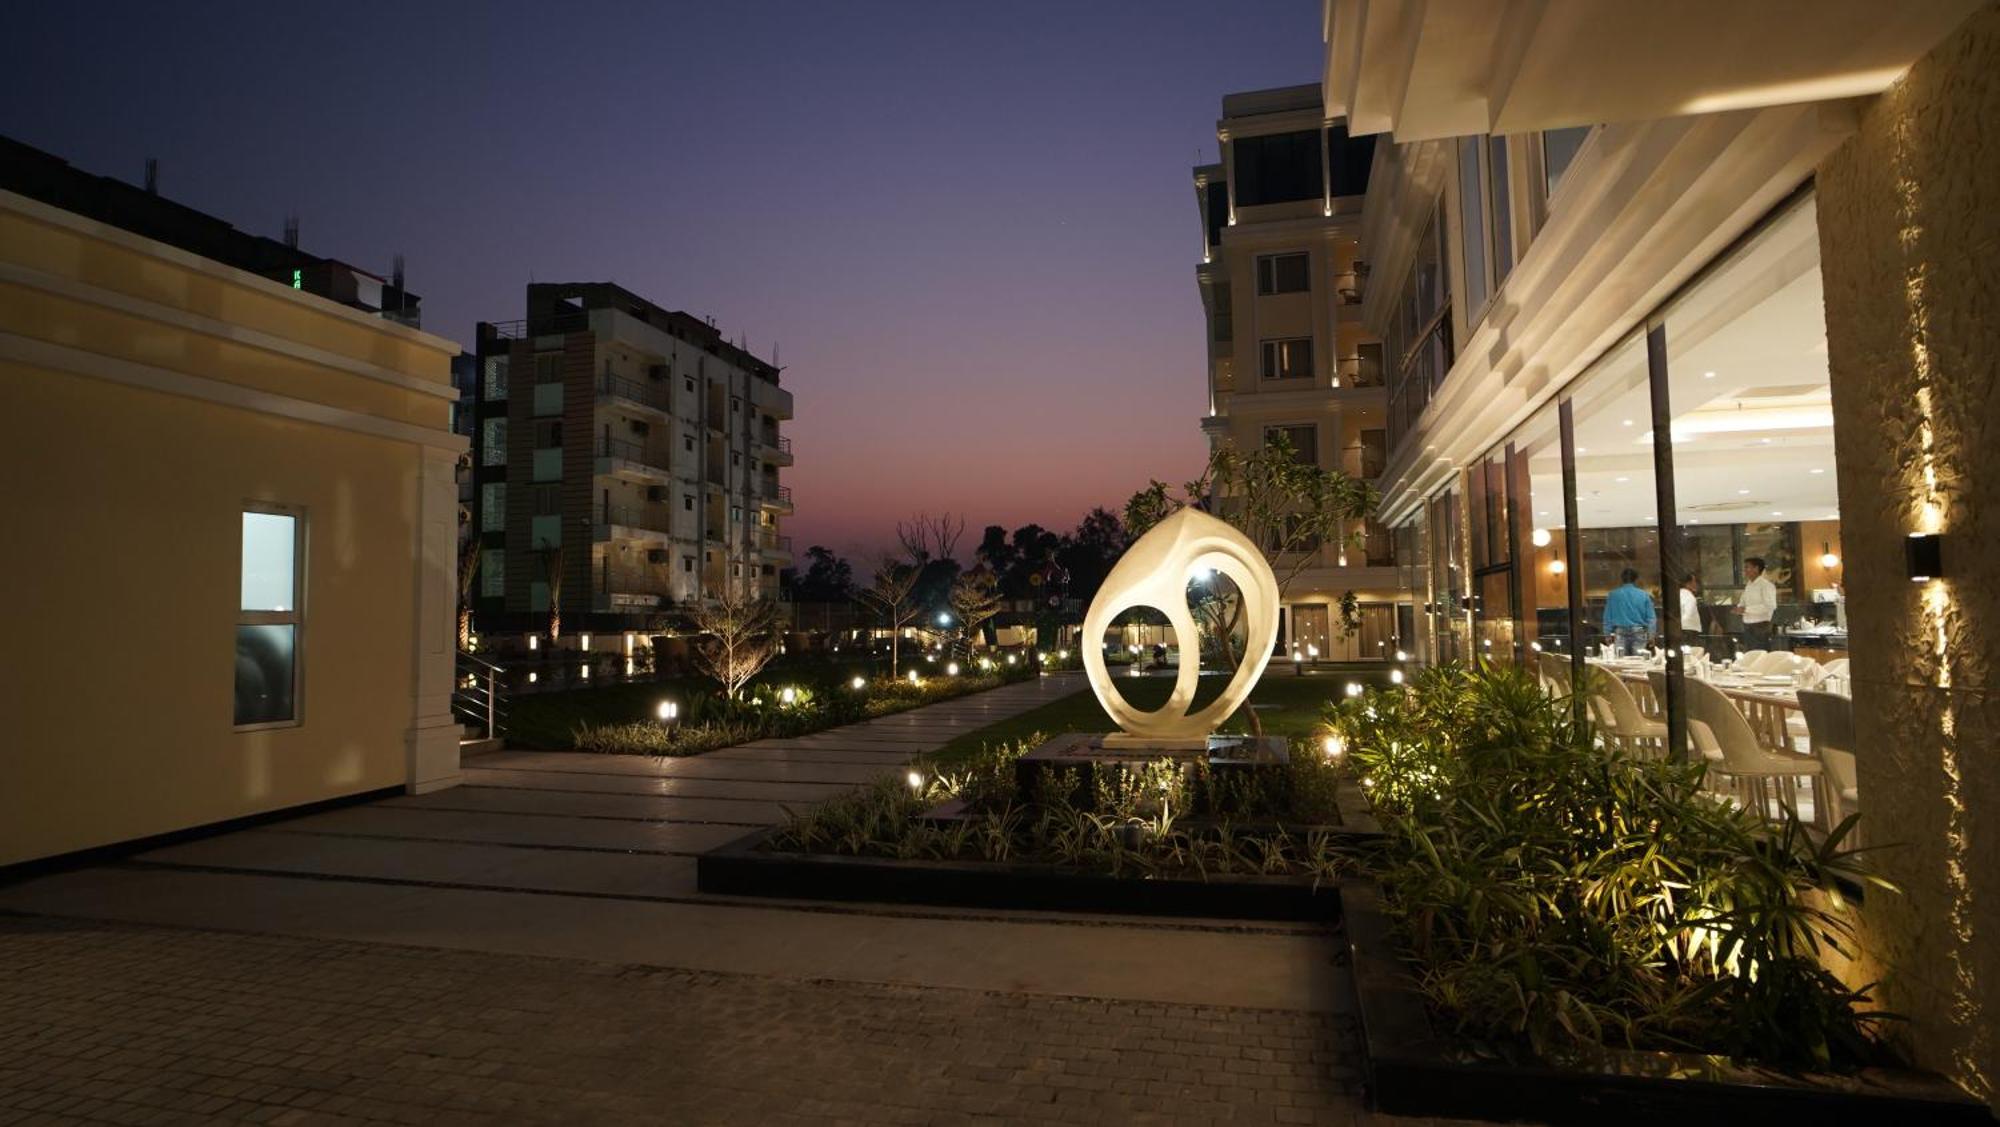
[
  {"x": 917, "y": 781},
  {"x": 1334, "y": 746},
  {"x": 1395, "y": 676},
  {"x": 913, "y": 678},
  {"x": 1062, "y": 655},
  {"x": 532, "y": 677},
  {"x": 788, "y": 694},
  {"x": 668, "y": 712},
  {"x": 1354, "y": 688},
  {"x": 1401, "y": 656},
  {"x": 951, "y": 670},
  {"x": 859, "y": 683},
  {"x": 944, "y": 619},
  {"x": 1010, "y": 659}
]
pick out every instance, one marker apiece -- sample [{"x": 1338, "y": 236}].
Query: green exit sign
[{"x": 298, "y": 279}]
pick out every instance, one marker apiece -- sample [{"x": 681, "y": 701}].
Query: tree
[
  {"x": 995, "y": 552},
  {"x": 891, "y": 597},
  {"x": 468, "y": 571},
  {"x": 975, "y": 597},
  {"x": 1088, "y": 553},
  {"x": 827, "y": 579},
  {"x": 1288, "y": 507},
  {"x": 552, "y": 571},
  {"x": 736, "y": 639},
  {"x": 926, "y": 538}
]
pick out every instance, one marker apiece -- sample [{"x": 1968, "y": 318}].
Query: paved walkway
[{"x": 531, "y": 945}]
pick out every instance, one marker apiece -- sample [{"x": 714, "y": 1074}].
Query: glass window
[
  {"x": 1288, "y": 359},
  {"x": 1543, "y": 559},
  {"x": 493, "y": 506},
  {"x": 1472, "y": 225},
  {"x": 496, "y": 377},
  {"x": 1753, "y": 453},
  {"x": 493, "y": 442},
  {"x": 1559, "y": 148},
  {"x": 548, "y": 367},
  {"x": 268, "y": 617},
  {"x": 1617, "y": 507},
  {"x": 1283, "y": 273},
  {"x": 1304, "y": 441},
  {"x": 492, "y": 573},
  {"x": 1503, "y": 215},
  {"x": 1278, "y": 168}
]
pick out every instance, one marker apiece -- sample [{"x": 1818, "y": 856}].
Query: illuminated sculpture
[{"x": 1154, "y": 572}]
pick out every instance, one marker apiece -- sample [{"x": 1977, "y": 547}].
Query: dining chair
[
  {"x": 1835, "y": 668},
  {"x": 1746, "y": 760},
  {"x": 1830, "y": 721},
  {"x": 1554, "y": 669},
  {"x": 1623, "y": 725}
]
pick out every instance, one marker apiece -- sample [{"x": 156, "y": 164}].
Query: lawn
[{"x": 1287, "y": 705}]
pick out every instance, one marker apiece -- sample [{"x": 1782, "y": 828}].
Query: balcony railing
[
  {"x": 1354, "y": 373},
  {"x": 781, "y": 494},
  {"x": 776, "y": 442},
  {"x": 541, "y": 326},
  {"x": 657, "y": 398},
  {"x": 633, "y": 516},
  {"x": 772, "y": 542}
]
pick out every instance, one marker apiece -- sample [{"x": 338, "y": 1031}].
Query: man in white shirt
[
  {"x": 1758, "y": 604},
  {"x": 1690, "y": 610}
]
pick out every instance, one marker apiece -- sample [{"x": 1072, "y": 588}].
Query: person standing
[
  {"x": 1628, "y": 614},
  {"x": 1758, "y": 603},
  {"x": 1690, "y": 610}
]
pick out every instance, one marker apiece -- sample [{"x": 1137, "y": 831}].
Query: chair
[
  {"x": 1618, "y": 717},
  {"x": 1745, "y": 760},
  {"x": 1748, "y": 658},
  {"x": 1830, "y": 724},
  {"x": 1554, "y": 670},
  {"x": 1699, "y": 735},
  {"x": 1836, "y": 668}
]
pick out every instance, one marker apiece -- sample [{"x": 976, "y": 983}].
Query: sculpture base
[
  {"x": 1128, "y": 740},
  {"x": 1086, "y": 752}
]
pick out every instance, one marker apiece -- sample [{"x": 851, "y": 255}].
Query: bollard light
[
  {"x": 668, "y": 711},
  {"x": 951, "y": 670},
  {"x": 916, "y": 779},
  {"x": 1395, "y": 676},
  {"x": 859, "y": 683},
  {"x": 1334, "y": 746},
  {"x": 1354, "y": 688}
]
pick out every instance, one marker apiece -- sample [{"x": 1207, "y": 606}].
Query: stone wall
[{"x": 1909, "y": 214}]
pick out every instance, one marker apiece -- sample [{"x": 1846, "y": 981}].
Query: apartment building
[
  {"x": 275, "y": 448},
  {"x": 627, "y": 460},
  {"x": 1703, "y": 295},
  {"x": 1281, "y": 279}
]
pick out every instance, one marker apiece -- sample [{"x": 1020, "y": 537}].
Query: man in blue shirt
[{"x": 1628, "y": 614}]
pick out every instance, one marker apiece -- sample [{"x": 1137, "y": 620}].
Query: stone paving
[{"x": 530, "y": 947}]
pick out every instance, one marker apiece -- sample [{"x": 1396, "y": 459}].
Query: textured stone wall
[{"x": 1909, "y": 214}]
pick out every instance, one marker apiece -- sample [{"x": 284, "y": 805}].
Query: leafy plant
[{"x": 1557, "y": 891}]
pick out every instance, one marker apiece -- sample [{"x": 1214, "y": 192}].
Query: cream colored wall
[
  {"x": 1909, "y": 218},
  {"x": 123, "y": 530}
]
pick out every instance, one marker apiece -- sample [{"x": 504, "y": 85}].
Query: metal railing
[
  {"x": 479, "y": 694},
  {"x": 524, "y": 329},
  {"x": 633, "y": 516},
  {"x": 776, "y": 442},
  {"x": 782, "y": 494},
  {"x": 608, "y": 447},
  {"x": 658, "y": 398},
  {"x": 772, "y": 542}
]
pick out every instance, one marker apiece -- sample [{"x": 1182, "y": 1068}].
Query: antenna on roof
[
  {"x": 396, "y": 274},
  {"x": 292, "y": 230},
  {"x": 152, "y": 176}
]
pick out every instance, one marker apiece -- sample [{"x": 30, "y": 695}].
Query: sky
[{"x": 968, "y": 230}]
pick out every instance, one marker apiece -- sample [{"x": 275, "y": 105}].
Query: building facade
[
  {"x": 1281, "y": 279},
  {"x": 626, "y": 460},
  {"x": 1704, "y": 299},
  {"x": 239, "y": 497}
]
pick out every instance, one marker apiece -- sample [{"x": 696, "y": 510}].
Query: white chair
[
  {"x": 1745, "y": 760},
  {"x": 1830, "y": 719},
  {"x": 1618, "y": 717}
]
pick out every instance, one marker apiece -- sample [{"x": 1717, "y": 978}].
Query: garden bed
[
  {"x": 1413, "y": 1069},
  {"x": 745, "y": 867}
]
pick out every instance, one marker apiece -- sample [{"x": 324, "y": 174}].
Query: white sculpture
[{"x": 1154, "y": 572}]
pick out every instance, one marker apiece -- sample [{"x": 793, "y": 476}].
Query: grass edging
[
  {"x": 742, "y": 868},
  {"x": 1412, "y": 1069}
]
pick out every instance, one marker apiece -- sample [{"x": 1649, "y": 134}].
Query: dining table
[{"x": 1768, "y": 701}]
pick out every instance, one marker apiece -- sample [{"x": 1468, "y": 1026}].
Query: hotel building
[
  {"x": 626, "y": 459},
  {"x": 232, "y": 524},
  {"x": 1686, "y": 288},
  {"x": 1281, "y": 283}
]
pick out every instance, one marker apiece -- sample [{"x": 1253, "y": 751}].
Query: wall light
[
  {"x": 1557, "y": 567},
  {"x": 1828, "y": 558},
  {"x": 1542, "y": 538},
  {"x": 1923, "y": 556}
]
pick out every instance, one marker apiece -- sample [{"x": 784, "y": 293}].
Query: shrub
[{"x": 1555, "y": 891}]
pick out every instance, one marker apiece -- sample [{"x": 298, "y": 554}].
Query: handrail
[
  {"x": 632, "y": 516},
  {"x": 479, "y": 692},
  {"x": 619, "y": 386}
]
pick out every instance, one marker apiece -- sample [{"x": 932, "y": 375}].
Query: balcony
[
  {"x": 1363, "y": 462},
  {"x": 629, "y": 460},
  {"x": 775, "y": 449},
  {"x": 631, "y": 522},
  {"x": 772, "y": 544},
  {"x": 768, "y": 397},
  {"x": 570, "y": 322},
  {"x": 778, "y": 498},
  {"x": 652, "y": 398},
  {"x": 1354, "y": 373}
]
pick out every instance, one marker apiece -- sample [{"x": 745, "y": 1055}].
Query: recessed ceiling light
[
  {"x": 1628, "y": 422},
  {"x": 1776, "y": 513},
  {"x": 1708, "y": 375},
  {"x": 1624, "y": 479},
  {"x": 1581, "y": 450},
  {"x": 1819, "y": 471},
  {"x": 1765, "y": 441},
  {"x": 1696, "y": 520},
  {"x": 1743, "y": 491}
]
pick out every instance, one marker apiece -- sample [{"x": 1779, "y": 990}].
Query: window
[
  {"x": 1288, "y": 359},
  {"x": 492, "y": 573},
  {"x": 548, "y": 367},
  {"x": 1472, "y": 225},
  {"x": 268, "y": 616},
  {"x": 548, "y": 500},
  {"x": 1283, "y": 273},
  {"x": 1303, "y": 440},
  {"x": 1349, "y": 159},
  {"x": 1368, "y": 366},
  {"x": 493, "y": 442},
  {"x": 1500, "y": 197},
  {"x": 735, "y": 405},
  {"x": 1559, "y": 148},
  {"x": 1419, "y": 349},
  {"x": 496, "y": 377},
  {"x": 687, "y": 563},
  {"x": 735, "y": 457},
  {"x": 687, "y": 443},
  {"x": 690, "y": 385},
  {"x": 687, "y": 502},
  {"x": 1278, "y": 168},
  {"x": 493, "y": 506},
  {"x": 1225, "y": 316}
]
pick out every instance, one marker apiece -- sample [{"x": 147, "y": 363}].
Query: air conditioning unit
[{"x": 656, "y": 555}]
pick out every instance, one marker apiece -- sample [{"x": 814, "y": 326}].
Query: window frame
[
  {"x": 294, "y": 617},
  {"x": 1273, "y": 348},
  {"x": 1267, "y": 273}
]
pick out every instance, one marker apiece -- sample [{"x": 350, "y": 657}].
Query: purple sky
[{"x": 970, "y": 228}]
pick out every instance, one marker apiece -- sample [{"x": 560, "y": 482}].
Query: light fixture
[
  {"x": 1557, "y": 567},
  {"x": 533, "y": 677},
  {"x": 1354, "y": 688},
  {"x": 1401, "y": 656},
  {"x": 668, "y": 712},
  {"x": 1818, "y": 470},
  {"x": 944, "y": 619},
  {"x": 1623, "y": 480},
  {"x": 951, "y": 670},
  {"x": 1743, "y": 492},
  {"x": 1708, "y": 375},
  {"x": 913, "y": 677},
  {"x": 788, "y": 695},
  {"x": 534, "y": 642},
  {"x": 586, "y": 641},
  {"x": 1541, "y": 538},
  {"x": 859, "y": 683},
  {"x": 584, "y": 672},
  {"x": 1628, "y": 422},
  {"x": 916, "y": 779},
  {"x": 1827, "y": 557},
  {"x": 1334, "y": 746},
  {"x": 1395, "y": 676},
  {"x": 1923, "y": 556}
]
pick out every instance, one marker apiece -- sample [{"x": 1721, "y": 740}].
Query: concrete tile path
[{"x": 530, "y": 946}]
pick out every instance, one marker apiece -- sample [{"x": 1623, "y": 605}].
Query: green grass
[{"x": 1290, "y": 707}]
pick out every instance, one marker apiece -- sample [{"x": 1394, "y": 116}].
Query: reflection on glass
[
  {"x": 1617, "y": 508},
  {"x": 1544, "y": 579},
  {"x": 1753, "y": 451},
  {"x": 266, "y": 659},
  {"x": 268, "y": 540}
]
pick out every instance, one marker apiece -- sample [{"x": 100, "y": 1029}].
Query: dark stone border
[
  {"x": 1415, "y": 1070},
  {"x": 743, "y": 868}
]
